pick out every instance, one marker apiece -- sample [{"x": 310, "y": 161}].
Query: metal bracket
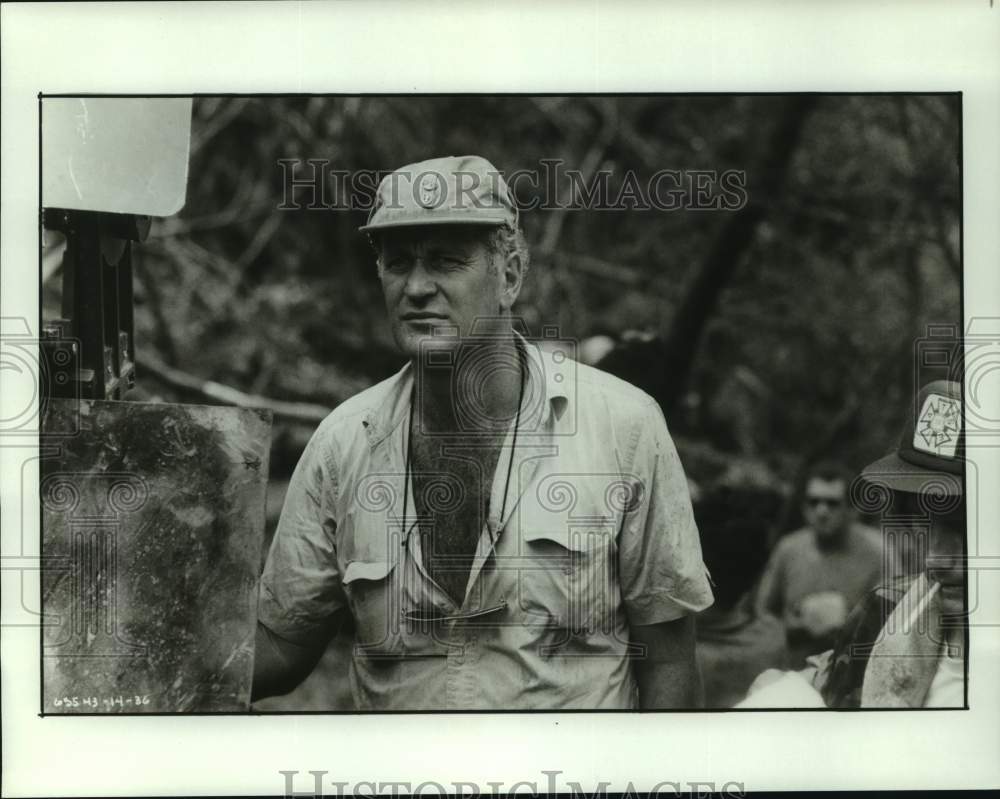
[{"x": 94, "y": 340}]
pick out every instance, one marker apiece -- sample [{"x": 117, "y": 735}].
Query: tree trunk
[{"x": 733, "y": 240}]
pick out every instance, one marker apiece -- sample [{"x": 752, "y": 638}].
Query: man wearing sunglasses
[
  {"x": 503, "y": 528},
  {"x": 817, "y": 574}
]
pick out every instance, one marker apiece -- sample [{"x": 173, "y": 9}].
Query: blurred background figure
[
  {"x": 816, "y": 574},
  {"x": 735, "y": 643}
]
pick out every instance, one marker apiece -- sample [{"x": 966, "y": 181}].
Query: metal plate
[
  {"x": 117, "y": 154},
  {"x": 152, "y": 526}
]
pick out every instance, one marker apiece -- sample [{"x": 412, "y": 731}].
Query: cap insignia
[{"x": 937, "y": 426}]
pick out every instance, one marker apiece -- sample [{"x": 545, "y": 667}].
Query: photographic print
[
  {"x": 525, "y": 455},
  {"x": 494, "y": 401}
]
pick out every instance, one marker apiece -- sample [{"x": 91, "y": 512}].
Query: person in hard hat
[
  {"x": 905, "y": 644},
  {"x": 504, "y": 527}
]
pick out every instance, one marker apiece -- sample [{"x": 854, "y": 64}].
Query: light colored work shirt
[{"x": 597, "y": 535}]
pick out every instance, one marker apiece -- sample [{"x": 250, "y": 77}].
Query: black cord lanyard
[{"x": 513, "y": 448}]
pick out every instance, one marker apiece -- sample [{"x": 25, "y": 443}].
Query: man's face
[
  {"x": 945, "y": 562},
  {"x": 443, "y": 278},
  {"x": 826, "y": 507},
  {"x": 943, "y": 549}
]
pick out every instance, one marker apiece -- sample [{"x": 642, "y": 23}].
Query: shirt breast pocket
[
  {"x": 567, "y": 581},
  {"x": 567, "y": 576},
  {"x": 374, "y": 589}
]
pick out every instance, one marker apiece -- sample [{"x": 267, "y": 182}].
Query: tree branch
[
  {"x": 588, "y": 168},
  {"x": 603, "y": 270},
  {"x": 203, "y": 134},
  {"x": 217, "y": 393}
]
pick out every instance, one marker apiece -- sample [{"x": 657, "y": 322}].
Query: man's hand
[
  {"x": 280, "y": 665},
  {"x": 667, "y": 674}
]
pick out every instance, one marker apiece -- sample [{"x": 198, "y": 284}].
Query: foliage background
[{"x": 806, "y": 350}]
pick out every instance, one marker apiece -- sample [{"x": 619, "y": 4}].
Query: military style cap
[
  {"x": 931, "y": 452},
  {"x": 455, "y": 190}
]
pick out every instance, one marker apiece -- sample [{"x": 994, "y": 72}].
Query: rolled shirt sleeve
[
  {"x": 660, "y": 564},
  {"x": 300, "y": 588}
]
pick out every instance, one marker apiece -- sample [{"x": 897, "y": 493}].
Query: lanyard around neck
[{"x": 513, "y": 448}]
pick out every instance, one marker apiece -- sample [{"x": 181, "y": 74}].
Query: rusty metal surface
[{"x": 152, "y": 526}]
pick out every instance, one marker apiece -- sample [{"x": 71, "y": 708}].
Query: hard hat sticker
[{"x": 938, "y": 426}]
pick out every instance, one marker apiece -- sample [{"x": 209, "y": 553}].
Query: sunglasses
[{"x": 815, "y": 502}]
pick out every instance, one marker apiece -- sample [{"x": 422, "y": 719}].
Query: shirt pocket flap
[
  {"x": 566, "y": 538},
  {"x": 373, "y": 592},
  {"x": 580, "y": 513},
  {"x": 370, "y": 550},
  {"x": 368, "y": 570},
  {"x": 575, "y": 538}
]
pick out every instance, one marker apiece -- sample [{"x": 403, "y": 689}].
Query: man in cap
[
  {"x": 904, "y": 645},
  {"x": 504, "y": 528}
]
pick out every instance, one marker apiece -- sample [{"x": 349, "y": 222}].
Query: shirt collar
[
  {"x": 554, "y": 379},
  {"x": 383, "y": 417}
]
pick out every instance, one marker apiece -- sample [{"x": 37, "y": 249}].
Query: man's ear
[{"x": 512, "y": 277}]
